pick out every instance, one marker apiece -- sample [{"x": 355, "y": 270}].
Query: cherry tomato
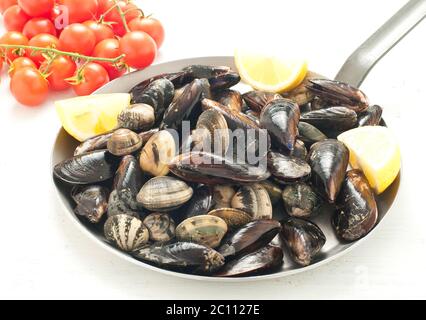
[
  {"x": 109, "y": 48},
  {"x": 15, "y": 18},
  {"x": 29, "y": 87},
  {"x": 77, "y": 38},
  {"x": 59, "y": 70},
  {"x": 80, "y": 10},
  {"x": 37, "y": 8},
  {"x": 103, "y": 6},
  {"x": 38, "y": 25},
  {"x": 140, "y": 49},
  {"x": 4, "y": 4},
  {"x": 151, "y": 26},
  {"x": 19, "y": 63},
  {"x": 13, "y": 37},
  {"x": 102, "y": 31},
  {"x": 94, "y": 77},
  {"x": 131, "y": 12},
  {"x": 43, "y": 40},
  {"x": 1, "y": 63}
]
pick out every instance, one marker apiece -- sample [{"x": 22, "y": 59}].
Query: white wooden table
[{"x": 43, "y": 255}]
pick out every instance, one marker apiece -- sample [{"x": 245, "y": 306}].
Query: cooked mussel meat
[
  {"x": 300, "y": 200},
  {"x": 124, "y": 142},
  {"x": 288, "y": 169},
  {"x": 161, "y": 227},
  {"x": 137, "y": 117},
  {"x": 371, "y": 116},
  {"x": 253, "y": 199},
  {"x": 92, "y": 202}
]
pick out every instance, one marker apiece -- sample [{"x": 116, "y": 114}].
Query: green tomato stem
[{"x": 122, "y": 16}]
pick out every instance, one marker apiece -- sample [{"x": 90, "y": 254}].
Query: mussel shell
[
  {"x": 178, "y": 79},
  {"x": 288, "y": 169},
  {"x": 161, "y": 227},
  {"x": 357, "y": 213},
  {"x": 337, "y": 93},
  {"x": 304, "y": 239},
  {"x": 222, "y": 196},
  {"x": 199, "y": 71},
  {"x": 200, "y": 203},
  {"x": 254, "y": 116},
  {"x": 230, "y": 98},
  {"x": 206, "y": 168},
  {"x": 146, "y": 135},
  {"x": 253, "y": 199},
  {"x": 310, "y": 134},
  {"x": 206, "y": 230},
  {"x": 249, "y": 238},
  {"x": 299, "y": 150},
  {"x": 92, "y": 144},
  {"x": 234, "y": 218},
  {"x": 88, "y": 168},
  {"x": 190, "y": 257},
  {"x": 128, "y": 181},
  {"x": 273, "y": 189},
  {"x": 137, "y": 117},
  {"x": 157, "y": 153},
  {"x": 370, "y": 117},
  {"x": 300, "y": 200},
  {"x": 164, "y": 194},
  {"x": 257, "y": 100},
  {"x": 224, "y": 81},
  {"x": 92, "y": 202},
  {"x": 126, "y": 232},
  {"x": 124, "y": 142},
  {"x": 329, "y": 160},
  {"x": 262, "y": 261},
  {"x": 301, "y": 94},
  {"x": 281, "y": 117},
  {"x": 331, "y": 119}
]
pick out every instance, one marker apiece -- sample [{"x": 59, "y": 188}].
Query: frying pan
[{"x": 354, "y": 71}]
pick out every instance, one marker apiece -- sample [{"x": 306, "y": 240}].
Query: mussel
[
  {"x": 281, "y": 117},
  {"x": 329, "y": 161},
  {"x": 190, "y": 257},
  {"x": 301, "y": 94},
  {"x": 164, "y": 194},
  {"x": 259, "y": 262},
  {"x": 199, "y": 71},
  {"x": 371, "y": 116},
  {"x": 161, "y": 227},
  {"x": 224, "y": 81},
  {"x": 157, "y": 153},
  {"x": 222, "y": 196},
  {"x": 337, "y": 93},
  {"x": 92, "y": 202},
  {"x": 87, "y": 168},
  {"x": 357, "y": 209},
  {"x": 273, "y": 189},
  {"x": 201, "y": 202},
  {"x": 124, "y": 142},
  {"x": 253, "y": 199},
  {"x": 288, "y": 169},
  {"x": 300, "y": 200},
  {"x": 303, "y": 238},
  {"x": 310, "y": 134},
  {"x": 137, "y": 117},
  {"x": 249, "y": 238},
  {"x": 126, "y": 232},
  {"x": 234, "y": 218},
  {"x": 330, "y": 120},
  {"x": 257, "y": 100},
  {"x": 92, "y": 144},
  {"x": 230, "y": 98},
  {"x": 206, "y": 230}
]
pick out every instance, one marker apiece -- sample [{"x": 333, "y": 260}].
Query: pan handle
[{"x": 359, "y": 64}]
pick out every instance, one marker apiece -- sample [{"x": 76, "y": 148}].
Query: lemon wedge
[
  {"x": 375, "y": 151},
  {"x": 270, "y": 73},
  {"x": 88, "y": 116}
]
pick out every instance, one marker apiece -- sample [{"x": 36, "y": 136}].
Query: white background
[{"x": 43, "y": 255}]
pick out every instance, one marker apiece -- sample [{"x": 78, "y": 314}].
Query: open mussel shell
[
  {"x": 357, "y": 210},
  {"x": 259, "y": 262},
  {"x": 200, "y": 204},
  {"x": 207, "y": 168},
  {"x": 300, "y": 200},
  {"x": 222, "y": 196},
  {"x": 126, "y": 232},
  {"x": 329, "y": 161},
  {"x": 249, "y": 238},
  {"x": 187, "y": 256},
  {"x": 310, "y": 134},
  {"x": 92, "y": 202},
  {"x": 87, "y": 168},
  {"x": 257, "y": 100},
  {"x": 234, "y": 218},
  {"x": 206, "y": 230},
  {"x": 301, "y": 94},
  {"x": 288, "y": 169},
  {"x": 230, "y": 98},
  {"x": 253, "y": 199},
  {"x": 274, "y": 190},
  {"x": 281, "y": 117},
  {"x": 124, "y": 142},
  {"x": 137, "y": 117},
  {"x": 304, "y": 239},
  {"x": 330, "y": 120},
  {"x": 371, "y": 116},
  {"x": 337, "y": 93},
  {"x": 92, "y": 144},
  {"x": 157, "y": 153},
  {"x": 161, "y": 227},
  {"x": 164, "y": 194},
  {"x": 128, "y": 181}
]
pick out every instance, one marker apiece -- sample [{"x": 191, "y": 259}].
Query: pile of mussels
[{"x": 218, "y": 219}]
